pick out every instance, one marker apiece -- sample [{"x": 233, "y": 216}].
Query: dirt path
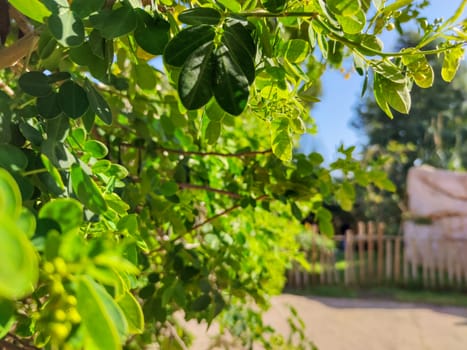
[{"x": 347, "y": 324}]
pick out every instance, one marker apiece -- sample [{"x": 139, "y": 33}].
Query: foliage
[
  {"x": 130, "y": 189},
  {"x": 432, "y": 133}
]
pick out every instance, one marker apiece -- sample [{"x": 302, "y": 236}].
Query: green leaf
[
  {"x": 145, "y": 77},
  {"x": 7, "y": 316},
  {"x": 420, "y": 70},
  {"x": 281, "y": 139},
  {"x": 296, "y": 212},
  {"x": 451, "y": 63},
  {"x": 380, "y": 95},
  {"x": 194, "y": 84},
  {"x": 152, "y": 33},
  {"x": 186, "y": 42},
  {"x": 296, "y": 50},
  {"x": 12, "y": 158},
  {"x": 213, "y": 131},
  {"x": 86, "y": 190},
  {"x": 274, "y": 6},
  {"x": 67, "y": 212},
  {"x": 34, "y": 9},
  {"x": 96, "y": 149},
  {"x": 83, "y": 55},
  {"x": 35, "y": 84},
  {"x": 73, "y": 99},
  {"x": 115, "y": 23},
  {"x": 230, "y": 86},
  {"x": 98, "y": 104},
  {"x": 242, "y": 47},
  {"x": 103, "y": 320},
  {"x": 19, "y": 272},
  {"x": 83, "y": 8},
  {"x": 169, "y": 188},
  {"x": 232, "y": 5},
  {"x": 200, "y": 15},
  {"x": 48, "y": 106},
  {"x": 52, "y": 171},
  {"x": 345, "y": 7},
  {"x": 133, "y": 313},
  {"x": 67, "y": 28},
  {"x": 10, "y": 196},
  {"x": 398, "y": 97},
  {"x": 27, "y": 222},
  {"x": 201, "y": 303},
  {"x": 353, "y": 24}
]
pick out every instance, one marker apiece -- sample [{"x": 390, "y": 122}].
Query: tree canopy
[
  {"x": 432, "y": 133},
  {"x": 147, "y": 160}
]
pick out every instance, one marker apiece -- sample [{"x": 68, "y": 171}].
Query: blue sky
[{"x": 340, "y": 96}]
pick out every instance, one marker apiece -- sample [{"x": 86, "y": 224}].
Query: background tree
[
  {"x": 432, "y": 133},
  {"x": 133, "y": 189}
]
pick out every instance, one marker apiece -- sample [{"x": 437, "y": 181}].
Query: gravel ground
[{"x": 347, "y": 324}]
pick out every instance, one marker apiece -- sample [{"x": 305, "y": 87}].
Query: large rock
[{"x": 437, "y": 223}]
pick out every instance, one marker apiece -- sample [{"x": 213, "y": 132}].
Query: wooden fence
[{"x": 369, "y": 257}]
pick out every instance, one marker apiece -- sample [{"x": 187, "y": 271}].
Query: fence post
[
  {"x": 313, "y": 257},
  {"x": 397, "y": 258},
  {"x": 349, "y": 273},
  {"x": 380, "y": 250},
  {"x": 361, "y": 251},
  {"x": 388, "y": 258},
  {"x": 371, "y": 232}
]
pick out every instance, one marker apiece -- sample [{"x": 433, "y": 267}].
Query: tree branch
[
  {"x": 207, "y": 221},
  {"x": 209, "y": 189},
  {"x": 204, "y": 154},
  {"x": 18, "y": 50},
  {"x": 283, "y": 14}
]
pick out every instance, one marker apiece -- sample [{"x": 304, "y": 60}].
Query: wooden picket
[{"x": 372, "y": 258}]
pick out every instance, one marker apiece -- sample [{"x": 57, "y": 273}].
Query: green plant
[{"x": 132, "y": 189}]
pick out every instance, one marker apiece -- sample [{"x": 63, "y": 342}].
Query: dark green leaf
[
  {"x": 12, "y": 158},
  {"x": 115, "y": 23},
  {"x": 48, "y": 106},
  {"x": 200, "y": 15},
  {"x": 84, "y": 8},
  {"x": 201, "y": 303},
  {"x": 7, "y": 316},
  {"x": 242, "y": 48},
  {"x": 186, "y": 42},
  {"x": 35, "y": 84},
  {"x": 58, "y": 76},
  {"x": 83, "y": 55},
  {"x": 230, "y": 86},
  {"x": 274, "y": 6},
  {"x": 152, "y": 33},
  {"x": 67, "y": 28},
  {"x": 73, "y": 99},
  {"x": 194, "y": 84},
  {"x": 98, "y": 104}
]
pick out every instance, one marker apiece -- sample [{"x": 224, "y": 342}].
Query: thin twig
[
  {"x": 209, "y": 189},
  {"x": 205, "y": 154},
  {"x": 21, "y": 21},
  {"x": 8, "y": 90}
]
